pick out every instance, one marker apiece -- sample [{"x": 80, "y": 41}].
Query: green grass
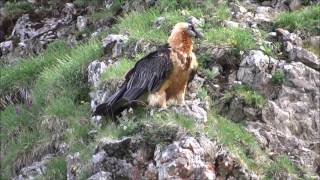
[
  {"x": 24, "y": 73},
  {"x": 209, "y": 74},
  {"x": 250, "y": 97},
  {"x": 281, "y": 165},
  {"x": 17, "y": 8},
  {"x": 244, "y": 146},
  {"x": 278, "y": 77},
  {"x": 240, "y": 142},
  {"x": 118, "y": 69},
  {"x": 306, "y": 19},
  {"x": 241, "y": 39},
  {"x": 56, "y": 169},
  {"x": 103, "y": 12},
  {"x": 59, "y": 92},
  {"x": 140, "y": 24}
]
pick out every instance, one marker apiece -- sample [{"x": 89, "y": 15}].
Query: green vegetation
[
  {"x": 24, "y": 73},
  {"x": 59, "y": 100},
  {"x": 60, "y": 106},
  {"x": 103, "y": 12},
  {"x": 278, "y": 77},
  {"x": 118, "y": 69},
  {"x": 17, "y": 8},
  {"x": 57, "y": 169},
  {"x": 241, "y": 39},
  {"x": 306, "y": 19},
  {"x": 270, "y": 49},
  {"x": 240, "y": 142},
  {"x": 281, "y": 165},
  {"x": 250, "y": 97},
  {"x": 209, "y": 74},
  {"x": 140, "y": 25}
]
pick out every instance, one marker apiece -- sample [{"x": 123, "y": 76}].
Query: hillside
[{"x": 252, "y": 110}]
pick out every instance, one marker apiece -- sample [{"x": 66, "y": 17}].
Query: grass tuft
[
  {"x": 278, "y": 77},
  {"x": 250, "y": 97},
  {"x": 241, "y": 39},
  {"x": 280, "y": 167},
  {"x": 118, "y": 69},
  {"x": 17, "y": 8},
  {"x": 306, "y": 19},
  {"x": 56, "y": 169}
]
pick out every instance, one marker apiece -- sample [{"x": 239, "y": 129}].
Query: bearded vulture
[{"x": 160, "y": 77}]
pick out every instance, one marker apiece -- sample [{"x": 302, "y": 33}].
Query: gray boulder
[
  {"x": 290, "y": 124},
  {"x": 197, "y": 158},
  {"x": 5, "y": 48},
  {"x": 113, "y": 44},
  {"x": 81, "y": 23},
  {"x": 255, "y": 70},
  {"x": 285, "y": 36},
  {"x": 306, "y": 57},
  {"x": 36, "y": 169}
]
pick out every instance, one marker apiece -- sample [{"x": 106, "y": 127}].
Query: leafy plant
[{"x": 278, "y": 77}]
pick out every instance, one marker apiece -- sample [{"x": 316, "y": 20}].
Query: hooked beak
[
  {"x": 194, "y": 32},
  {"x": 198, "y": 33}
]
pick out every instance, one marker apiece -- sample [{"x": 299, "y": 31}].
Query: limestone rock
[
  {"x": 82, "y": 23},
  {"x": 195, "y": 21},
  {"x": 102, "y": 175},
  {"x": 36, "y": 169},
  {"x": 113, "y": 44},
  {"x": 264, "y": 14},
  {"x": 6, "y": 47},
  {"x": 295, "y": 5},
  {"x": 306, "y": 57},
  {"x": 255, "y": 70},
  {"x": 95, "y": 69},
  {"x": 285, "y": 35},
  {"x": 291, "y": 122}
]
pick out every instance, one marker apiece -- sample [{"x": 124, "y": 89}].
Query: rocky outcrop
[
  {"x": 294, "y": 116},
  {"x": 289, "y": 122},
  {"x": 186, "y": 157},
  {"x": 306, "y": 57},
  {"x": 33, "y": 36},
  {"x": 255, "y": 70},
  {"x": 292, "y": 44}
]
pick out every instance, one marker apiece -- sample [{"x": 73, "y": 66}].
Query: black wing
[{"x": 146, "y": 76}]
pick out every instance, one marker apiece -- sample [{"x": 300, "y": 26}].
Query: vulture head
[{"x": 189, "y": 28}]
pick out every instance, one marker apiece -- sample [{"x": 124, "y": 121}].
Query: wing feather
[{"x": 146, "y": 76}]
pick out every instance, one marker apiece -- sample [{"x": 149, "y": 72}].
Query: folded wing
[{"x": 146, "y": 76}]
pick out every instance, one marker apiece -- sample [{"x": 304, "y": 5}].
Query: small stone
[
  {"x": 231, "y": 24},
  {"x": 82, "y": 23},
  {"x": 159, "y": 22},
  {"x": 195, "y": 21},
  {"x": 101, "y": 175},
  {"x": 6, "y": 47},
  {"x": 295, "y": 5},
  {"x": 304, "y": 56}
]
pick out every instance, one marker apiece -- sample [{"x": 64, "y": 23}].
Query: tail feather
[{"x": 119, "y": 101}]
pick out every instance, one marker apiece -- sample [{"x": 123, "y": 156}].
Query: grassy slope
[{"x": 57, "y": 80}]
